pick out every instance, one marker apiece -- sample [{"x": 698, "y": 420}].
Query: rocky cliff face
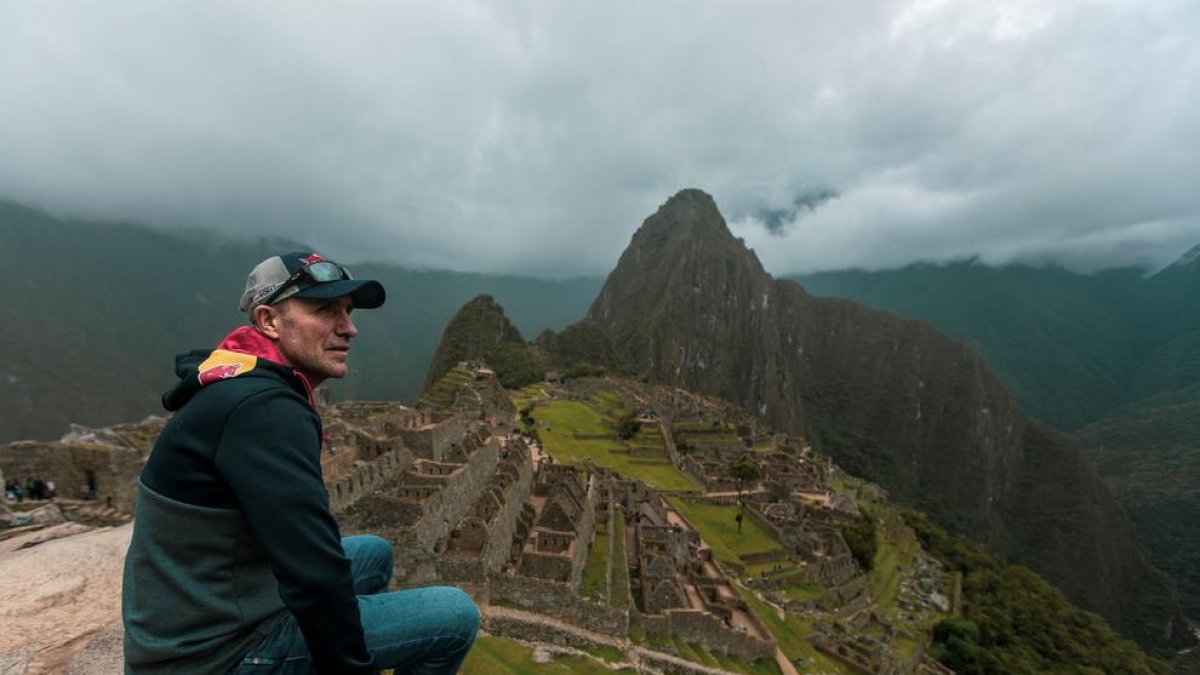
[{"x": 891, "y": 399}]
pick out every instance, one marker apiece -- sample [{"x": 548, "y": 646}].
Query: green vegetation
[
  {"x": 497, "y": 656},
  {"x": 610, "y": 654},
  {"x": 862, "y": 539},
  {"x": 717, "y": 525},
  {"x": 627, "y": 427},
  {"x": 619, "y": 597},
  {"x": 576, "y": 433},
  {"x": 802, "y": 593},
  {"x": 895, "y": 548},
  {"x": 743, "y": 473},
  {"x": 1151, "y": 460},
  {"x": 791, "y": 633},
  {"x": 1015, "y": 622},
  {"x": 593, "y": 585},
  {"x": 1113, "y": 357},
  {"x": 461, "y": 390}
]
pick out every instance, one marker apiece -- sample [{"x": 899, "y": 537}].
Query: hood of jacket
[{"x": 243, "y": 353}]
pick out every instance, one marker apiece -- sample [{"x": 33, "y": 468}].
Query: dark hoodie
[{"x": 233, "y": 528}]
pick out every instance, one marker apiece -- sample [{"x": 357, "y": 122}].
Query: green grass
[
  {"x": 620, "y": 598},
  {"x": 895, "y": 548},
  {"x": 802, "y": 593},
  {"x": 497, "y": 656},
  {"x": 593, "y": 585},
  {"x": 717, "y": 526},
  {"x": 568, "y": 420},
  {"x": 790, "y": 633},
  {"x": 759, "y": 667},
  {"x": 610, "y": 654}
]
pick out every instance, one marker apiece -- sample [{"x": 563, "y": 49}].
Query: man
[{"x": 236, "y": 563}]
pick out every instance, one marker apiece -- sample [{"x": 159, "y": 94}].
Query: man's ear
[{"x": 266, "y": 321}]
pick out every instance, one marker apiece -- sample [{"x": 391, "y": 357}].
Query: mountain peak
[
  {"x": 688, "y": 214},
  {"x": 684, "y": 250},
  {"x": 476, "y": 329}
]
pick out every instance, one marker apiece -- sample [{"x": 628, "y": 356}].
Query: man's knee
[
  {"x": 462, "y": 609},
  {"x": 368, "y": 547}
]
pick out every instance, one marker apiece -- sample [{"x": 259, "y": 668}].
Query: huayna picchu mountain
[{"x": 891, "y": 399}]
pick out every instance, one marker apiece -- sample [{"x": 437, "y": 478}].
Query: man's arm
[{"x": 270, "y": 456}]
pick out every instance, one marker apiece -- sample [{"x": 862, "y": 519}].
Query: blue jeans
[{"x": 425, "y": 631}]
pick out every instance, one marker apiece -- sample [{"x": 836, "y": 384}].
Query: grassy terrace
[
  {"x": 527, "y": 395},
  {"x": 791, "y": 633},
  {"x": 697, "y": 653},
  {"x": 497, "y": 656},
  {"x": 896, "y": 546},
  {"x": 705, "y": 433},
  {"x": 620, "y": 597},
  {"x": 593, "y": 585},
  {"x": 574, "y": 432},
  {"x": 717, "y": 526}
]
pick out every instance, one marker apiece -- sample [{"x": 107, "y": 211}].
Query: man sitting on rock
[{"x": 236, "y": 563}]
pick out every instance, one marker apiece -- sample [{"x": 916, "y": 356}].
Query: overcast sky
[{"x": 534, "y": 137}]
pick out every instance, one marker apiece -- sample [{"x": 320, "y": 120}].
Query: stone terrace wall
[
  {"x": 557, "y": 600},
  {"x": 704, "y": 628},
  {"x": 504, "y": 523},
  {"x": 417, "y": 548},
  {"x": 433, "y": 442},
  {"x": 587, "y": 526},
  {"x": 114, "y": 468},
  {"x": 364, "y": 479}
]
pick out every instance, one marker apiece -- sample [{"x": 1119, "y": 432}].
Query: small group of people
[{"x": 34, "y": 488}]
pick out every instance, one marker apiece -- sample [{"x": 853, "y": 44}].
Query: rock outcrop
[
  {"x": 56, "y": 596},
  {"x": 891, "y": 399}
]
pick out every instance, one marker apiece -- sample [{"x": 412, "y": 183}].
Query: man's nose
[{"x": 346, "y": 326}]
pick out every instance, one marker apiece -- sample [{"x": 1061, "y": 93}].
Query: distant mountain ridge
[
  {"x": 1105, "y": 340},
  {"x": 94, "y": 314},
  {"x": 1113, "y": 357}
]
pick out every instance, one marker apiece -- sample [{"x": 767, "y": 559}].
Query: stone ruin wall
[
  {"x": 558, "y": 600},
  {"x": 116, "y": 469},
  {"x": 583, "y": 542},
  {"x": 504, "y": 524},
  {"x": 418, "y": 547},
  {"x": 463, "y": 566},
  {"x": 669, "y": 441},
  {"x": 365, "y": 479},
  {"x": 706, "y": 629},
  {"x": 436, "y": 442}
]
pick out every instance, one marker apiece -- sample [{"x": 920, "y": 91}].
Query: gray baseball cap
[{"x": 302, "y": 274}]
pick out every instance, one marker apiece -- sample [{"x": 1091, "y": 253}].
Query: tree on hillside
[
  {"x": 744, "y": 471},
  {"x": 628, "y": 427}
]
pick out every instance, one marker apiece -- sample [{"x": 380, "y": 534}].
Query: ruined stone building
[{"x": 94, "y": 464}]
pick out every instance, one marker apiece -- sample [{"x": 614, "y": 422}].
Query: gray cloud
[{"x": 533, "y": 138}]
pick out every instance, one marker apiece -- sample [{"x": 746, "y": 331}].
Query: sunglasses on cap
[{"x": 321, "y": 272}]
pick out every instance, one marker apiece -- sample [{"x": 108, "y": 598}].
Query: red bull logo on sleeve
[{"x": 222, "y": 364}]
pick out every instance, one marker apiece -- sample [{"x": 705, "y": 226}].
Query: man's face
[{"x": 314, "y": 336}]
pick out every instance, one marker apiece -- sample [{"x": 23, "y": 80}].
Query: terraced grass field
[
  {"x": 717, "y": 525},
  {"x": 497, "y": 656},
  {"x": 791, "y": 633},
  {"x": 574, "y": 432}
]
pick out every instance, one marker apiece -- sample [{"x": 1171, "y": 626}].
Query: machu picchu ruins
[{"x": 649, "y": 545}]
